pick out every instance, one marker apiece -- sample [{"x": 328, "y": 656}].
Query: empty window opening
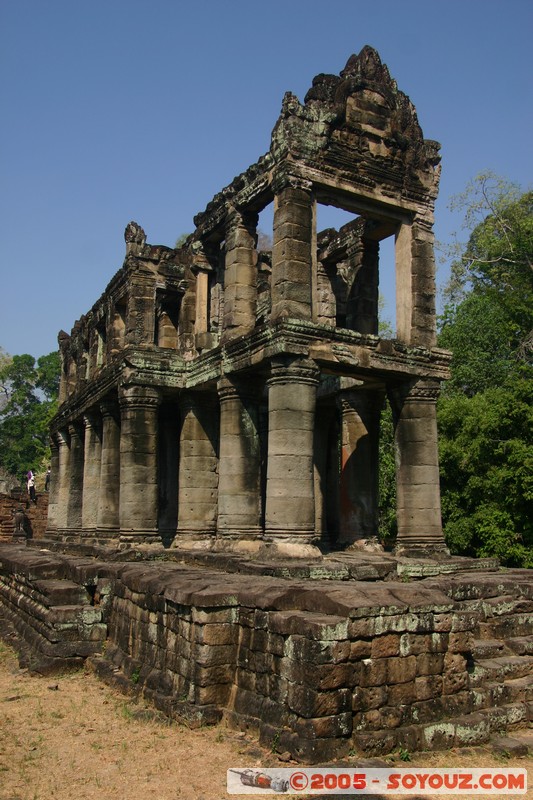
[
  {"x": 167, "y": 318},
  {"x": 387, "y": 289},
  {"x": 264, "y": 263}
]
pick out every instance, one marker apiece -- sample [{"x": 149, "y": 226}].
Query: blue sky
[{"x": 116, "y": 110}]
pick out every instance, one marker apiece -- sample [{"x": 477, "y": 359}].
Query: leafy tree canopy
[
  {"x": 497, "y": 260},
  {"x": 476, "y": 331},
  {"x": 485, "y": 413},
  {"x": 486, "y": 460},
  {"x": 29, "y": 391},
  {"x": 182, "y": 238}
]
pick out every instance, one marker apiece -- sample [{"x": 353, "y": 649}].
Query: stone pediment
[{"x": 359, "y": 124}]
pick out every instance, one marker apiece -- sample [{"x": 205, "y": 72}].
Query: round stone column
[
  {"x": 63, "y": 479},
  {"x": 138, "y": 463},
  {"x": 290, "y": 501},
  {"x": 75, "y": 495},
  {"x": 359, "y": 466},
  {"x": 53, "y": 489},
  {"x": 239, "y": 480},
  {"x": 417, "y": 469},
  {"x": 198, "y": 468},
  {"x": 109, "y": 489},
  {"x": 91, "y": 472}
]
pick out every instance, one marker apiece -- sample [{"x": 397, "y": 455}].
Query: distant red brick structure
[{"x": 36, "y": 515}]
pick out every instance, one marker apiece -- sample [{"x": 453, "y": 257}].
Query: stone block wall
[
  {"x": 314, "y": 670},
  {"x": 60, "y": 621}
]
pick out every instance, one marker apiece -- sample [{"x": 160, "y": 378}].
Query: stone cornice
[{"x": 336, "y": 351}]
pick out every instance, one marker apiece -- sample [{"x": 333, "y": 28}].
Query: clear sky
[{"x": 119, "y": 110}]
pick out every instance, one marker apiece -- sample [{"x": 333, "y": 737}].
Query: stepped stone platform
[{"x": 363, "y": 652}]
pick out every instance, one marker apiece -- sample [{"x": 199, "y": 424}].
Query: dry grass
[{"x": 72, "y": 737}]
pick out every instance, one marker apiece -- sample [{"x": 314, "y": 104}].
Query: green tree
[
  {"x": 48, "y": 374},
  {"x": 29, "y": 391},
  {"x": 485, "y": 412},
  {"x": 180, "y": 241},
  {"x": 476, "y": 331},
  {"x": 497, "y": 260},
  {"x": 486, "y": 458}
]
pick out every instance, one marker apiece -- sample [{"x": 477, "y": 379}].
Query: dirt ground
[{"x": 71, "y": 737}]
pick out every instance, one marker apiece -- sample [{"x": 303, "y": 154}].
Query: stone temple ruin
[
  {"x": 213, "y": 511},
  {"x": 217, "y": 392}
]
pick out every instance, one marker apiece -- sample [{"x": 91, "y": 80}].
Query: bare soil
[{"x": 71, "y": 737}]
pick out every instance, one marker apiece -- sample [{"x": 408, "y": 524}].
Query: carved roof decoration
[
  {"x": 358, "y": 122},
  {"x": 357, "y": 127}
]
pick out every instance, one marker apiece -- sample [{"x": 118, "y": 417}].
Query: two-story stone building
[{"x": 219, "y": 396}]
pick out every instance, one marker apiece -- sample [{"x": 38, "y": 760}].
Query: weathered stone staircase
[
  {"x": 502, "y": 674},
  {"x": 499, "y": 694}
]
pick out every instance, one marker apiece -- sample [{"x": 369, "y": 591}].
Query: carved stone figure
[
  {"x": 20, "y": 524},
  {"x": 134, "y": 233}
]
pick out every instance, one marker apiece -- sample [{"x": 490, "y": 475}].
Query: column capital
[
  {"x": 240, "y": 218},
  {"x": 63, "y": 437},
  {"x": 189, "y": 400},
  {"x": 204, "y": 256},
  {"x": 283, "y": 179},
  {"x": 229, "y": 387},
  {"x": 91, "y": 418},
  {"x": 109, "y": 408},
  {"x": 74, "y": 430},
  {"x": 293, "y": 371},
  {"x": 421, "y": 391},
  {"x": 227, "y": 390},
  {"x": 139, "y": 396},
  {"x": 361, "y": 400}
]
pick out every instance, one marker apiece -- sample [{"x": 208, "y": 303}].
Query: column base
[
  {"x": 290, "y": 546},
  {"x": 66, "y": 534},
  {"x": 421, "y": 549},
  {"x": 244, "y": 544},
  {"x": 189, "y": 540},
  {"x": 140, "y": 536},
  {"x": 102, "y": 532},
  {"x": 237, "y": 534},
  {"x": 370, "y": 544}
]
